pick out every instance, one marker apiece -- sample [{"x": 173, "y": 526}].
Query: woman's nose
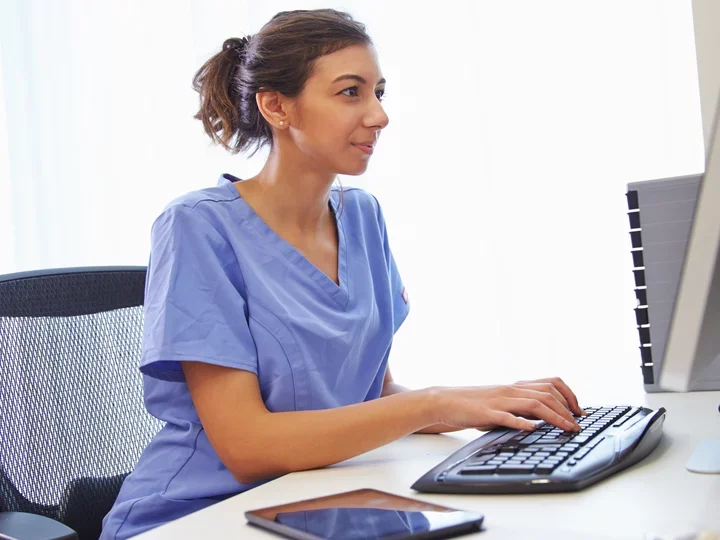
[{"x": 376, "y": 116}]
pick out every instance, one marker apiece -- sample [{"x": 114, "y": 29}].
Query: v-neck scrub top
[{"x": 223, "y": 288}]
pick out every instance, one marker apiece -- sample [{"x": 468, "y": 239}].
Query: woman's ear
[{"x": 274, "y": 108}]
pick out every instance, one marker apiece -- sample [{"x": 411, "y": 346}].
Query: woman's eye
[
  {"x": 353, "y": 92},
  {"x": 351, "y": 89}
]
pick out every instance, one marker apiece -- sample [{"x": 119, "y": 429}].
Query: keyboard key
[
  {"x": 621, "y": 409},
  {"x": 625, "y": 419},
  {"x": 523, "y": 454},
  {"x": 581, "y": 439},
  {"x": 541, "y": 454},
  {"x": 594, "y": 442},
  {"x": 480, "y": 469},
  {"x": 513, "y": 469},
  {"x": 544, "y": 468},
  {"x": 531, "y": 438}
]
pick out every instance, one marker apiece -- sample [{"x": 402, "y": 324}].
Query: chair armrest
[{"x": 23, "y": 526}]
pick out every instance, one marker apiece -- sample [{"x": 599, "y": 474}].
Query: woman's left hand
[{"x": 558, "y": 388}]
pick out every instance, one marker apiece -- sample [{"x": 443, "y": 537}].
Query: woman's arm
[
  {"x": 554, "y": 386},
  {"x": 255, "y": 443},
  {"x": 391, "y": 388}
]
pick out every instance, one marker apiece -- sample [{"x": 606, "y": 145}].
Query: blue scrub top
[{"x": 225, "y": 289}]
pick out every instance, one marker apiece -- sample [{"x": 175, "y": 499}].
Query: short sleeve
[
  {"x": 400, "y": 298},
  {"x": 194, "y": 309}
]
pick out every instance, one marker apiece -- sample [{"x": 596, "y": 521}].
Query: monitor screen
[{"x": 692, "y": 354}]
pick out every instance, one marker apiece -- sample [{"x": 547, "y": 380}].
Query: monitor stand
[{"x": 706, "y": 457}]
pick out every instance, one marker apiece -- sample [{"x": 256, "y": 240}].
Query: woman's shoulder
[
  {"x": 357, "y": 200},
  {"x": 209, "y": 205},
  {"x": 223, "y": 192}
]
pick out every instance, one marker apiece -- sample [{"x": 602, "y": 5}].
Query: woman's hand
[{"x": 485, "y": 407}]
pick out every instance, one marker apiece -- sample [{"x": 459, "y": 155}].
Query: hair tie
[{"x": 236, "y": 44}]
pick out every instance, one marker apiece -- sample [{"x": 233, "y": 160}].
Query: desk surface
[{"x": 657, "y": 496}]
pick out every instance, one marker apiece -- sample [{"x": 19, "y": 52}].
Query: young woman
[{"x": 271, "y": 302}]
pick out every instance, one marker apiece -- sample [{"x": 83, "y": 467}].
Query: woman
[{"x": 272, "y": 302}]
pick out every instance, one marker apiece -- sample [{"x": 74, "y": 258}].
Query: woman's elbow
[{"x": 249, "y": 471}]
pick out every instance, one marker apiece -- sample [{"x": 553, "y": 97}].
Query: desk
[{"x": 657, "y": 495}]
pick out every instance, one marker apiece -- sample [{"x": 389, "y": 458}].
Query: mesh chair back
[{"x": 72, "y": 418}]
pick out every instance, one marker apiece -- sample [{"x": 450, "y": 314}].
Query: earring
[{"x": 282, "y": 123}]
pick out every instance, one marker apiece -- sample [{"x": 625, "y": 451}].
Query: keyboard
[{"x": 549, "y": 459}]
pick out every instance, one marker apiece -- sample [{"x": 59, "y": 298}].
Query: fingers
[
  {"x": 502, "y": 418},
  {"x": 539, "y": 409},
  {"x": 569, "y": 395},
  {"x": 552, "y": 403},
  {"x": 564, "y": 389},
  {"x": 545, "y": 387}
]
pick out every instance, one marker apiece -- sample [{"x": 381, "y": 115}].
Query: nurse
[{"x": 271, "y": 302}]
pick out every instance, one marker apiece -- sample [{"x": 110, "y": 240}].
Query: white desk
[{"x": 657, "y": 496}]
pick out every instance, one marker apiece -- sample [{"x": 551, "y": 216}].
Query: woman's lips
[{"x": 367, "y": 148}]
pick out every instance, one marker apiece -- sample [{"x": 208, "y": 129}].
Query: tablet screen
[{"x": 365, "y": 514}]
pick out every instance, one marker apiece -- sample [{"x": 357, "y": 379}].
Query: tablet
[{"x": 365, "y": 513}]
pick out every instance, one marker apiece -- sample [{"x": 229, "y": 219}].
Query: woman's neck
[{"x": 288, "y": 193}]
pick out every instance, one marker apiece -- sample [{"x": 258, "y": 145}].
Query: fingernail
[{"x": 570, "y": 424}]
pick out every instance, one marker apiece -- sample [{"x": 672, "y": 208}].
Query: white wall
[
  {"x": 504, "y": 176},
  {"x": 514, "y": 128}
]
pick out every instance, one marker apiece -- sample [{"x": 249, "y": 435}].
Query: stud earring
[{"x": 282, "y": 123}]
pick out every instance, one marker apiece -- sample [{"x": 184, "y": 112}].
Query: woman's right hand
[{"x": 486, "y": 407}]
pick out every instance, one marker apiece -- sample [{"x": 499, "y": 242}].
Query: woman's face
[{"x": 338, "y": 116}]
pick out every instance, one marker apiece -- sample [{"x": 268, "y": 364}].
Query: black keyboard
[{"x": 549, "y": 459}]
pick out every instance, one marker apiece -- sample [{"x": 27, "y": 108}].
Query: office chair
[{"x": 72, "y": 418}]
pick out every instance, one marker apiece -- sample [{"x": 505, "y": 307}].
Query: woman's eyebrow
[{"x": 357, "y": 78}]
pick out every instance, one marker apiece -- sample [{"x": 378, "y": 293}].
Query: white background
[{"x": 514, "y": 128}]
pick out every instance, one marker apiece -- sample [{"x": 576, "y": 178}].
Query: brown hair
[{"x": 278, "y": 58}]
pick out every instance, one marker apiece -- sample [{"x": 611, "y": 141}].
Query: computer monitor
[{"x": 692, "y": 353}]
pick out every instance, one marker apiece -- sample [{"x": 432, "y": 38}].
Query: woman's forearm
[
  {"x": 294, "y": 441},
  {"x": 393, "y": 388}
]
